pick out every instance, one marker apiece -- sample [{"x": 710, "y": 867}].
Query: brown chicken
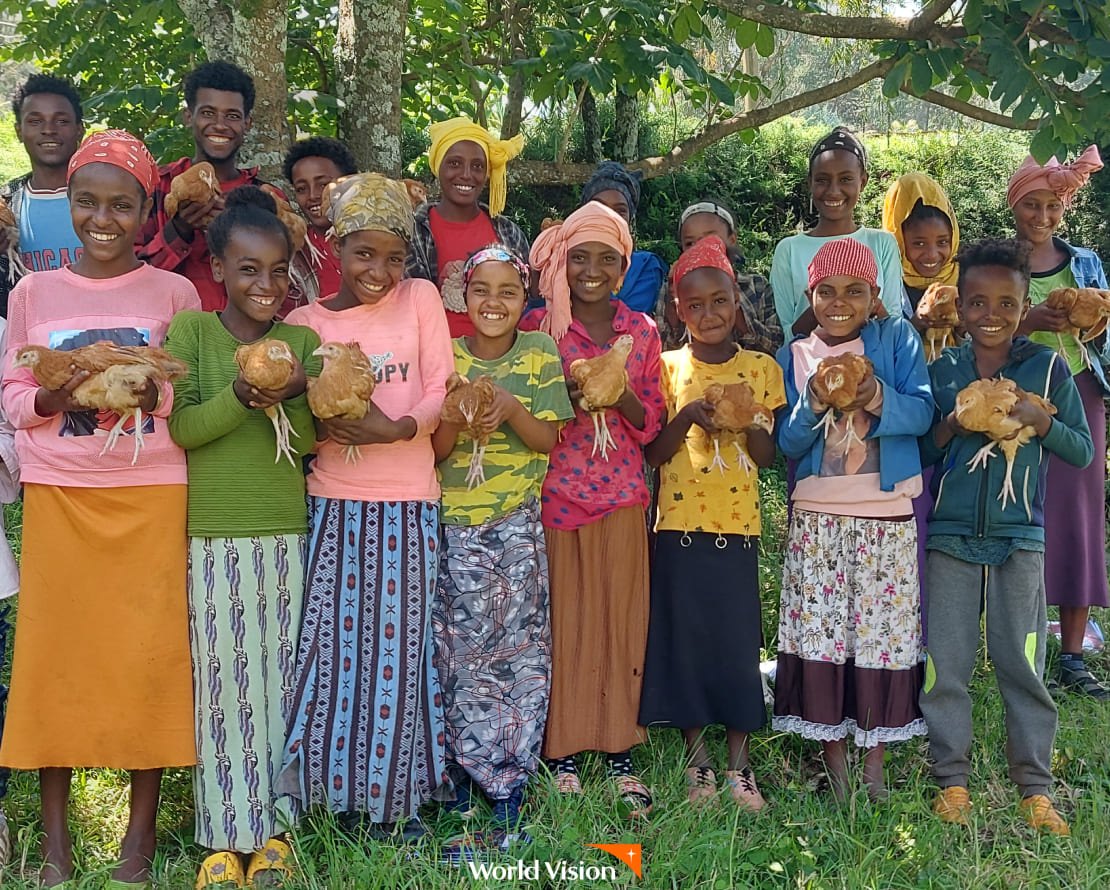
[
  {"x": 938, "y": 307},
  {"x": 984, "y": 406},
  {"x": 464, "y": 405},
  {"x": 270, "y": 364},
  {"x": 294, "y": 223},
  {"x": 603, "y": 380},
  {"x": 836, "y": 382},
  {"x": 16, "y": 269},
  {"x": 343, "y": 388},
  {"x": 118, "y": 377},
  {"x": 198, "y": 184},
  {"x": 418, "y": 194},
  {"x": 1088, "y": 309},
  {"x": 735, "y": 411}
]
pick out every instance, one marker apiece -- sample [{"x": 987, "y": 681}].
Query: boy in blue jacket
[{"x": 988, "y": 555}]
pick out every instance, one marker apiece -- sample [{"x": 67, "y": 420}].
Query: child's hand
[
  {"x": 866, "y": 391},
  {"x": 375, "y": 428},
  {"x": 256, "y": 397},
  {"x": 700, "y": 413},
  {"x": 1032, "y": 413},
  {"x": 49, "y": 402},
  {"x": 956, "y": 428},
  {"x": 1044, "y": 318},
  {"x": 504, "y": 407},
  {"x": 193, "y": 215},
  {"x": 574, "y": 391}
]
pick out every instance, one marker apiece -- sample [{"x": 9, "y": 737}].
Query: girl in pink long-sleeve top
[{"x": 593, "y": 505}]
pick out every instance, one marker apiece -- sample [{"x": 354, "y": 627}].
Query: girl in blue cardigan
[{"x": 849, "y": 662}]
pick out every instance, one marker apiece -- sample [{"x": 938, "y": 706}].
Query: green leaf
[
  {"x": 921, "y": 75},
  {"x": 894, "y": 79},
  {"x": 1043, "y": 145},
  {"x": 746, "y": 33},
  {"x": 765, "y": 41}
]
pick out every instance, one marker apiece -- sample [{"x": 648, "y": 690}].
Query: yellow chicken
[
  {"x": 465, "y": 403},
  {"x": 1088, "y": 309},
  {"x": 836, "y": 383},
  {"x": 343, "y": 388},
  {"x": 198, "y": 184},
  {"x": 938, "y": 307},
  {"x": 603, "y": 380},
  {"x": 984, "y": 406},
  {"x": 270, "y": 365},
  {"x": 735, "y": 411}
]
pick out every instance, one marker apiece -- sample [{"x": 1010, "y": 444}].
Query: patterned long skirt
[
  {"x": 493, "y": 647},
  {"x": 367, "y": 728},
  {"x": 849, "y": 659},
  {"x": 245, "y": 599}
]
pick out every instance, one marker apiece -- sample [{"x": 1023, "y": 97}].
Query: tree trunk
[
  {"x": 626, "y": 127},
  {"x": 253, "y": 36},
  {"x": 515, "y": 24},
  {"x": 369, "y": 56},
  {"x": 591, "y": 127}
]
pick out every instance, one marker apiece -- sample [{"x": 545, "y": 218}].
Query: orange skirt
[
  {"x": 599, "y": 621},
  {"x": 101, "y": 673}
]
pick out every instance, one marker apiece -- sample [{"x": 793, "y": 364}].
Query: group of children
[{"x": 414, "y": 636}]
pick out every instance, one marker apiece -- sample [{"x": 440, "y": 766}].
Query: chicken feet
[
  {"x": 117, "y": 430},
  {"x": 603, "y": 439},
  {"x": 283, "y": 429}
]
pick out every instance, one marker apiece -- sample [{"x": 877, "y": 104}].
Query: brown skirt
[
  {"x": 101, "y": 674},
  {"x": 599, "y": 620}
]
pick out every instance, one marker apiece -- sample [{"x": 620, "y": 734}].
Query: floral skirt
[{"x": 850, "y": 649}]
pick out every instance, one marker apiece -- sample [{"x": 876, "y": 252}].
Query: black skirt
[{"x": 704, "y": 636}]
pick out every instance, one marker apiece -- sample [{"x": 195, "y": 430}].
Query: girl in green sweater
[{"x": 247, "y": 527}]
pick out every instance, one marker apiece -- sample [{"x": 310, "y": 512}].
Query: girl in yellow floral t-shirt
[{"x": 700, "y": 672}]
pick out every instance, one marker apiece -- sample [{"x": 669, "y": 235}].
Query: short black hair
[
  {"x": 1009, "y": 253},
  {"x": 247, "y": 207},
  {"x": 46, "y": 83},
  {"x": 922, "y": 212},
  {"x": 320, "y": 147},
  {"x": 219, "y": 76}
]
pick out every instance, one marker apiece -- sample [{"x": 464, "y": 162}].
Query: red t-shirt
[
  {"x": 325, "y": 264},
  {"x": 454, "y": 243}
]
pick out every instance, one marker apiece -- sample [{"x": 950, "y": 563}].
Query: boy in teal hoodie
[{"x": 986, "y": 554}]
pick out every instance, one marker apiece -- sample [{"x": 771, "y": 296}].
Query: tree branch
[
  {"x": 931, "y": 13},
  {"x": 973, "y": 111},
  {"x": 922, "y": 27},
  {"x": 525, "y": 173}
]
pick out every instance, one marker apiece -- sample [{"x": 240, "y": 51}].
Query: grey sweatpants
[{"x": 1013, "y": 597}]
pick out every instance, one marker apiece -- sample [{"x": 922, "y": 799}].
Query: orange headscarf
[
  {"x": 590, "y": 222},
  {"x": 120, "y": 149},
  {"x": 1064, "y": 180}
]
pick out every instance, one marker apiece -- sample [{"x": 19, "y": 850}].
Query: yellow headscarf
[
  {"x": 498, "y": 153},
  {"x": 900, "y": 199},
  {"x": 368, "y": 201}
]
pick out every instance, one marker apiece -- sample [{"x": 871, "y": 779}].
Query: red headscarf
[
  {"x": 844, "y": 256},
  {"x": 120, "y": 149},
  {"x": 708, "y": 253},
  {"x": 1064, "y": 180}
]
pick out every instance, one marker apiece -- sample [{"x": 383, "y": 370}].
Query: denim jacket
[{"x": 1087, "y": 269}]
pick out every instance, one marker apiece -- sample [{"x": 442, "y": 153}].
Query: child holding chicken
[
  {"x": 700, "y": 672},
  {"x": 595, "y": 495},
  {"x": 493, "y": 645},
  {"x": 366, "y": 732},
  {"x": 103, "y": 641},
  {"x": 247, "y": 533},
  {"x": 987, "y": 551},
  {"x": 849, "y": 663}
]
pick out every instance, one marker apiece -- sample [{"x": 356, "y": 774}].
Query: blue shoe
[
  {"x": 464, "y": 804},
  {"x": 506, "y": 810}
]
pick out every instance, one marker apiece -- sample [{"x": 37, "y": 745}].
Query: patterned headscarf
[
  {"x": 120, "y": 149},
  {"x": 844, "y": 256},
  {"x": 368, "y": 202},
  {"x": 590, "y": 222},
  {"x": 611, "y": 175},
  {"x": 840, "y": 139},
  {"x": 708, "y": 253},
  {"x": 498, "y": 254},
  {"x": 1064, "y": 180},
  {"x": 498, "y": 153},
  {"x": 901, "y": 198}
]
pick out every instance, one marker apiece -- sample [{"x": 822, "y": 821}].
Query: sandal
[
  {"x": 568, "y": 783},
  {"x": 275, "y": 856},
  {"x": 1082, "y": 681},
  {"x": 219, "y": 868},
  {"x": 701, "y": 786},
  {"x": 635, "y": 794}
]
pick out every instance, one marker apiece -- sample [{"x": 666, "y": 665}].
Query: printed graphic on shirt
[
  {"x": 385, "y": 369},
  {"x": 451, "y": 286},
  {"x": 46, "y": 236},
  {"x": 99, "y": 423}
]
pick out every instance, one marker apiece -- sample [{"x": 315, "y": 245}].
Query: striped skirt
[
  {"x": 245, "y": 598},
  {"x": 366, "y": 733},
  {"x": 493, "y": 647}
]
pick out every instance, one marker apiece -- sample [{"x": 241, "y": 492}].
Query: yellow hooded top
[{"x": 900, "y": 200}]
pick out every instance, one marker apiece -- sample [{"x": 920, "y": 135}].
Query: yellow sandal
[
  {"x": 275, "y": 855},
  {"x": 220, "y": 869}
]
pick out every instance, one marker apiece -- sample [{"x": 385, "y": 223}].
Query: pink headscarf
[
  {"x": 120, "y": 149},
  {"x": 590, "y": 222},
  {"x": 1064, "y": 180}
]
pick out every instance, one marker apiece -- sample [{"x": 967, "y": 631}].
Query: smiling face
[
  {"x": 311, "y": 176},
  {"x": 107, "y": 207},
  {"x": 594, "y": 271},
  {"x": 372, "y": 263},
  {"x": 842, "y": 305},
  {"x": 495, "y": 299},
  {"x": 615, "y": 200},
  {"x": 220, "y": 122},
  {"x": 928, "y": 245},
  {"x": 254, "y": 269},
  {"x": 836, "y": 179},
  {"x": 463, "y": 173},
  {"x": 706, "y": 303},
  {"x": 993, "y": 301},
  {"x": 702, "y": 225},
  {"x": 49, "y": 129},
  {"x": 1037, "y": 216}
]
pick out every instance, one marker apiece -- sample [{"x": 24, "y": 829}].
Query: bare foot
[
  {"x": 873, "y": 773},
  {"x": 136, "y": 854},
  {"x": 835, "y": 755},
  {"x": 57, "y": 858}
]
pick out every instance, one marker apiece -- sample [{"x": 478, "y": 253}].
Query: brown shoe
[
  {"x": 701, "y": 787},
  {"x": 953, "y": 804},
  {"x": 1041, "y": 814},
  {"x": 741, "y": 784}
]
